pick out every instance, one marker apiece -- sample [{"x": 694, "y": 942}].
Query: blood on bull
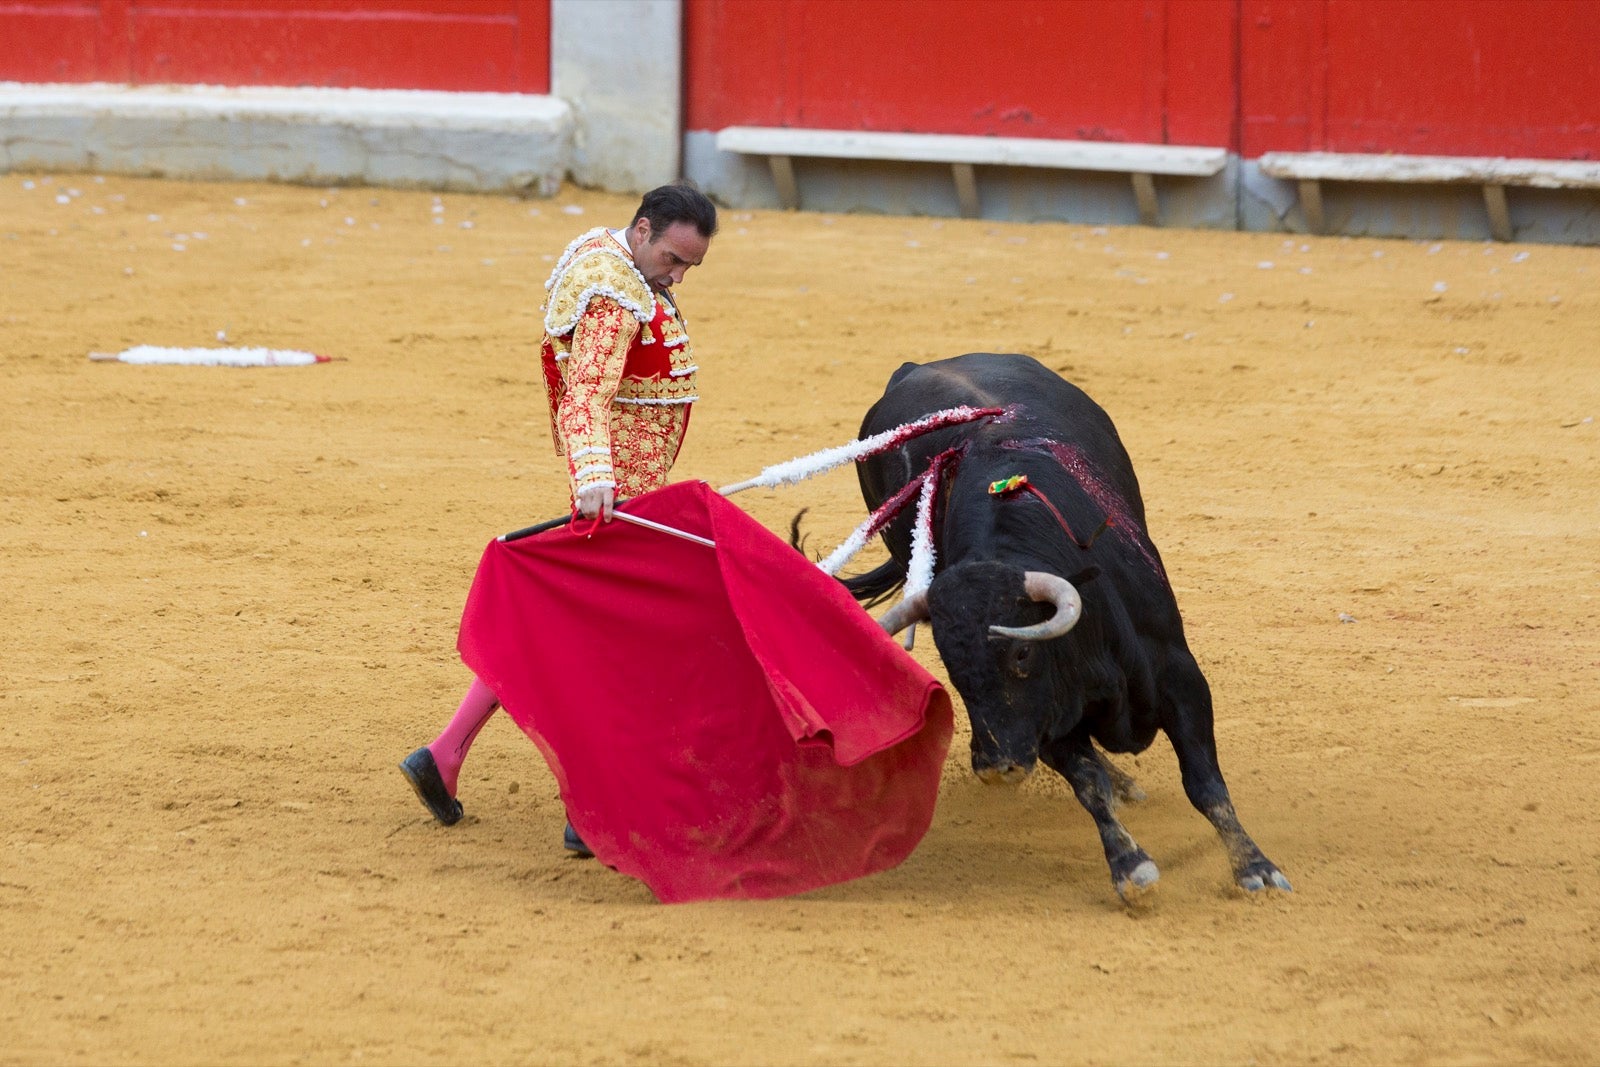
[{"x": 1049, "y": 603}]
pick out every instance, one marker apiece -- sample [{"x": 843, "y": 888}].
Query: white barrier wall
[
  {"x": 504, "y": 142},
  {"x": 619, "y": 63}
]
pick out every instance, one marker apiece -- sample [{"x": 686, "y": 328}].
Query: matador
[
  {"x": 618, "y": 369},
  {"x": 620, "y": 378}
]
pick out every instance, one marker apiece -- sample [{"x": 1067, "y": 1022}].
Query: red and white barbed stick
[
  {"x": 212, "y": 357},
  {"x": 882, "y": 516},
  {"x": 919, "y": 575},
  {"x": 927, "y": 484},
  {"x": 797, "y": 470}
]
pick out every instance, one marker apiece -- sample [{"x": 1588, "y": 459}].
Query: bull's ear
[{"x": 1088, "y": 574}]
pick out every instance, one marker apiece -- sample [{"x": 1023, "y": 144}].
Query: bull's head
[{"x": 993, "y": 624}]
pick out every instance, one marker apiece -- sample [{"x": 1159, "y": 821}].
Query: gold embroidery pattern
[
  {"x": 646, "y": 440},
  {"x": 594, "y": 267},
  {"x": 657, "y": 390},
  {"x": 591, "y": 374},
  {"x": 680, "y": 355},
  {"x": 609, "y": 441},
  {"x": 672, "y": 332}
]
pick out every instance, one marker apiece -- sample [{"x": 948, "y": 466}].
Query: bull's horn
[
  {"x": 1046, "y": 588},
  {"x": 912, "y": 610}
]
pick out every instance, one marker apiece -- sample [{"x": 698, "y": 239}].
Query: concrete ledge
[
  {"x": 466, "y": 141},
  {"x": 1140, "y": 162},
  {"x": 1492, "y": 174},
  {"x": 1011, "y": 193},
  {"x": 1476, "y": 170},
  {"x": 1193, "y": 161}
]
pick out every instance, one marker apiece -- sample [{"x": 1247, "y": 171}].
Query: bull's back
[
  {"x": 1045, "y": 405},
  {"x": 985, "y": 379}
]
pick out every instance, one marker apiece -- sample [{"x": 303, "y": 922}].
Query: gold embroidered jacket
[{"x": 618, "y": 369}]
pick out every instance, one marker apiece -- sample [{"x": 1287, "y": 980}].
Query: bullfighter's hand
[{"x": 597, "y": 501}]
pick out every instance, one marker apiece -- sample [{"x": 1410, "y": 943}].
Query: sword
[{"x": 617, "y": 513}]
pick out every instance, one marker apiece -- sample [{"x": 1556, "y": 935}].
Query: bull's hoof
[
  {"x": 1135, "y": 885},
  {"x": 1262, "y": 875},
  {"x": 423, "y": 774}
]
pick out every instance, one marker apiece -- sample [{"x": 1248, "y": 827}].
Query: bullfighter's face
[{"x": 665, "y": 257}]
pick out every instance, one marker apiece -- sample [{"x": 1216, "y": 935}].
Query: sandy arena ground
[{"x": 231, "y": 599}]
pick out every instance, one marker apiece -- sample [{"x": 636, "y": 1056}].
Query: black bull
[{"x": 1048, "y": 667}]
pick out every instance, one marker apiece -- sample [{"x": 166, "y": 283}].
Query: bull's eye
[{"x": 1020, "y": 657}]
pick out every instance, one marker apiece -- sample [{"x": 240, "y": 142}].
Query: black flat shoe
[
  {"x": 424, "y": 776},
  {"x": 574, "y": 844}
]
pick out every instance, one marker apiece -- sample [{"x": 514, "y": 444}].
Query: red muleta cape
[{"x": 723, "y": 723}]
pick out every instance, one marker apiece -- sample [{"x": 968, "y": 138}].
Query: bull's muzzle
[
  {"x": 1002, "y": 760},
  {"x": 1005, "y": 772}
]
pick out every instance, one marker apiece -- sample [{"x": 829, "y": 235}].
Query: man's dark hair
[{"x": 678, "y": 202}]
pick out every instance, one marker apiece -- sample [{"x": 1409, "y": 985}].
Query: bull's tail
[
  {"x": 871, "y": 588},
  {"x": 797, "y": 540},
  {"x": 876, "y": 585}
]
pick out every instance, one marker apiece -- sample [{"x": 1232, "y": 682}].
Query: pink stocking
[{"x": 450, "y": 748}]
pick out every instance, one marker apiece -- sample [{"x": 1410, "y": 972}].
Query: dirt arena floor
[{"x": 231, "y": 600}]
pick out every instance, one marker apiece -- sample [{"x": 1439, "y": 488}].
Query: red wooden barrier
[
  {"x": 487, "y": 45},
  {"x": 1148, "y": 71},
  {"x": 60, "y": 40},
  {"x": 1463, "y": 77}
]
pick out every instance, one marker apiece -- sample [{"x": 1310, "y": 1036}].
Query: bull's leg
[
  {"x": 1186, "y": 718},
  {"x": 1123, "y": 788},
  {"x": 1132, "y": 871}
]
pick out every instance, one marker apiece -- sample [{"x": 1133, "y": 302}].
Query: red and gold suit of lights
[{"x": 618, "y": 370}]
